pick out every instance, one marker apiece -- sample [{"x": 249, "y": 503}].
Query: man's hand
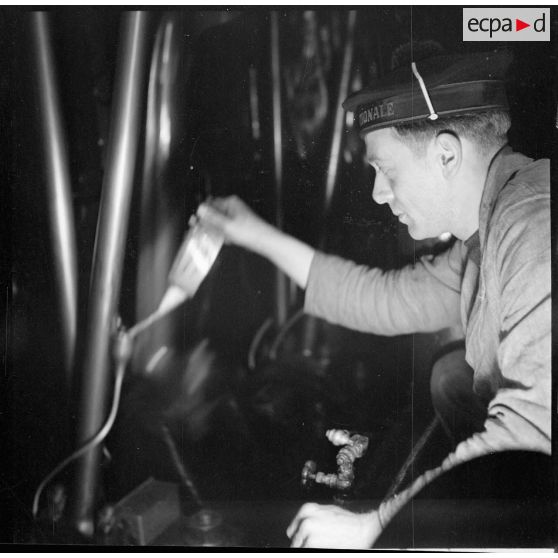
[
  {"x": 241, "y": 226},
  {"x": 317, "y": 526},
  {"x": 235, "y": 221}
]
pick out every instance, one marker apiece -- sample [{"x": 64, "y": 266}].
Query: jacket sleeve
[{"x": 424, "y": 297}]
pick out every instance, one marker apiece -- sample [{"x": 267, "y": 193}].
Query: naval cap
[{"x": 438, "y": 86}]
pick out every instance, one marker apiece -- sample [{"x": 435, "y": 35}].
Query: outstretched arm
[
  {"x": 424, "y": 297},
  {"x": 241, "y": 226}
]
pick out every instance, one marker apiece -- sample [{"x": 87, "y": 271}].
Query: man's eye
[
  {"x": 387, "y": 172},
  {"x": 384, "y": 170}
]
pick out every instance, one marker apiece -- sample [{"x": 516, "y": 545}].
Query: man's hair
[{"x": 487, "y": 130}]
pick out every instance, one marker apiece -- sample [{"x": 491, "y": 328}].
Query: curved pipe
[
  {"x": 283, "y": 332},
  {"x": 59, "y": 189},
  {"x": 108, "y": 255}
]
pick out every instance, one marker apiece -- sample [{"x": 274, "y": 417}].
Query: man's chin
[
  {"x": 415, "y": 233},
  {"x": 421, "y": 235}
]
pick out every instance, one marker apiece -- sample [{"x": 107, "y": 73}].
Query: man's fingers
[
  {"x": 299, "y": 538},
  {"x": 211, "y": 216},
  {"x": 224, "y": 205},
  {"x": 292, "y": 528},
  {"x": 319, "y": 526},
  {"x": 302, "y": 513}
]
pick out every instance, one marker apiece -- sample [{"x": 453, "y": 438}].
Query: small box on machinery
[{"x": 148, "y": 510}]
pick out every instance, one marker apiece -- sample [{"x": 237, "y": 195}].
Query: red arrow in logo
[{"x": 519, "y": 25}]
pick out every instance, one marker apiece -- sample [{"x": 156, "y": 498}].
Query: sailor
[{"x": 436, "y": 135}]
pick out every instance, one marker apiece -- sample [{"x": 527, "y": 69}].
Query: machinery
[
  {"x": 175, "y": 381},
  {"x": 107, "y": 346}
]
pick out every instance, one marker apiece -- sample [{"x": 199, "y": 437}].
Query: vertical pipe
[
  {"x": 281, "y": 280},
  {"x": 109, "y": 255},
  {"x": 162, "y": 218},
  {"x": 310, "y": 331},
  {"x": 59, "y": 188},
  {"x": 343, "y": 91}
]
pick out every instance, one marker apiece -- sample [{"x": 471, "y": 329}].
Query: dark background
[{"x": 248, "y": 432}]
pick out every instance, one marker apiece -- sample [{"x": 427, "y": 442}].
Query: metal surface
[
  {"x": 108, "y": 257},
  {"x": 281, "y": 281},
  {"x": 59, "y": 190}
]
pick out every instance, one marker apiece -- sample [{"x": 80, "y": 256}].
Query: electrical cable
[
  {"x": 283, "y": 332},
  {"x": 98, "y": 438},
  {"x": 174, "y": 296},
  {"x": 254, "y": 345},
  {"x": 196, "y": 256}
]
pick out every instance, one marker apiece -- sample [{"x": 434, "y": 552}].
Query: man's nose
[{"x": 381, "y": 192}]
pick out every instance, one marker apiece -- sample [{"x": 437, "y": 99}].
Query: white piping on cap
[{"x": 433, "y": 115}]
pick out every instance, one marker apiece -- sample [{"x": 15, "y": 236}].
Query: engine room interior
[{"x": 164, "y": 386}]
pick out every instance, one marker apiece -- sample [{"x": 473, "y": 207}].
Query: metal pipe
[
  {"x": 59, "y": 189},
  {"x": 310, "y": 331},
  {"x": 162, "y": 218},
  {"x": 180, "y": 467},
  {"x": 108, "y": 259},
  {"x": 281, "y": 281},
  {"x": 343, "y": 91},
  {"x": 411, "y": 459}
]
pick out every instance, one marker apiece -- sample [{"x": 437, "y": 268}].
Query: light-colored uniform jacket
[{"x": 504, "y": 308}]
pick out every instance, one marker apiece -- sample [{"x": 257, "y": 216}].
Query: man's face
[{"x": 410, "y": 183}]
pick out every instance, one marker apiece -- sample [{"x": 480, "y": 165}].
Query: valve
[
  {"x": 309, "y": 474},
  {"x": 354, "y": 447}
]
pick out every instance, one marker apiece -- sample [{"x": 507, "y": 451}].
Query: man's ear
[{"x": 448, "y": 152}]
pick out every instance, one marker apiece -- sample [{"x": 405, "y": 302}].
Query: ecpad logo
[
  {"x": 506, "y": 24},
  {"x": 495, "y": 24}
]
